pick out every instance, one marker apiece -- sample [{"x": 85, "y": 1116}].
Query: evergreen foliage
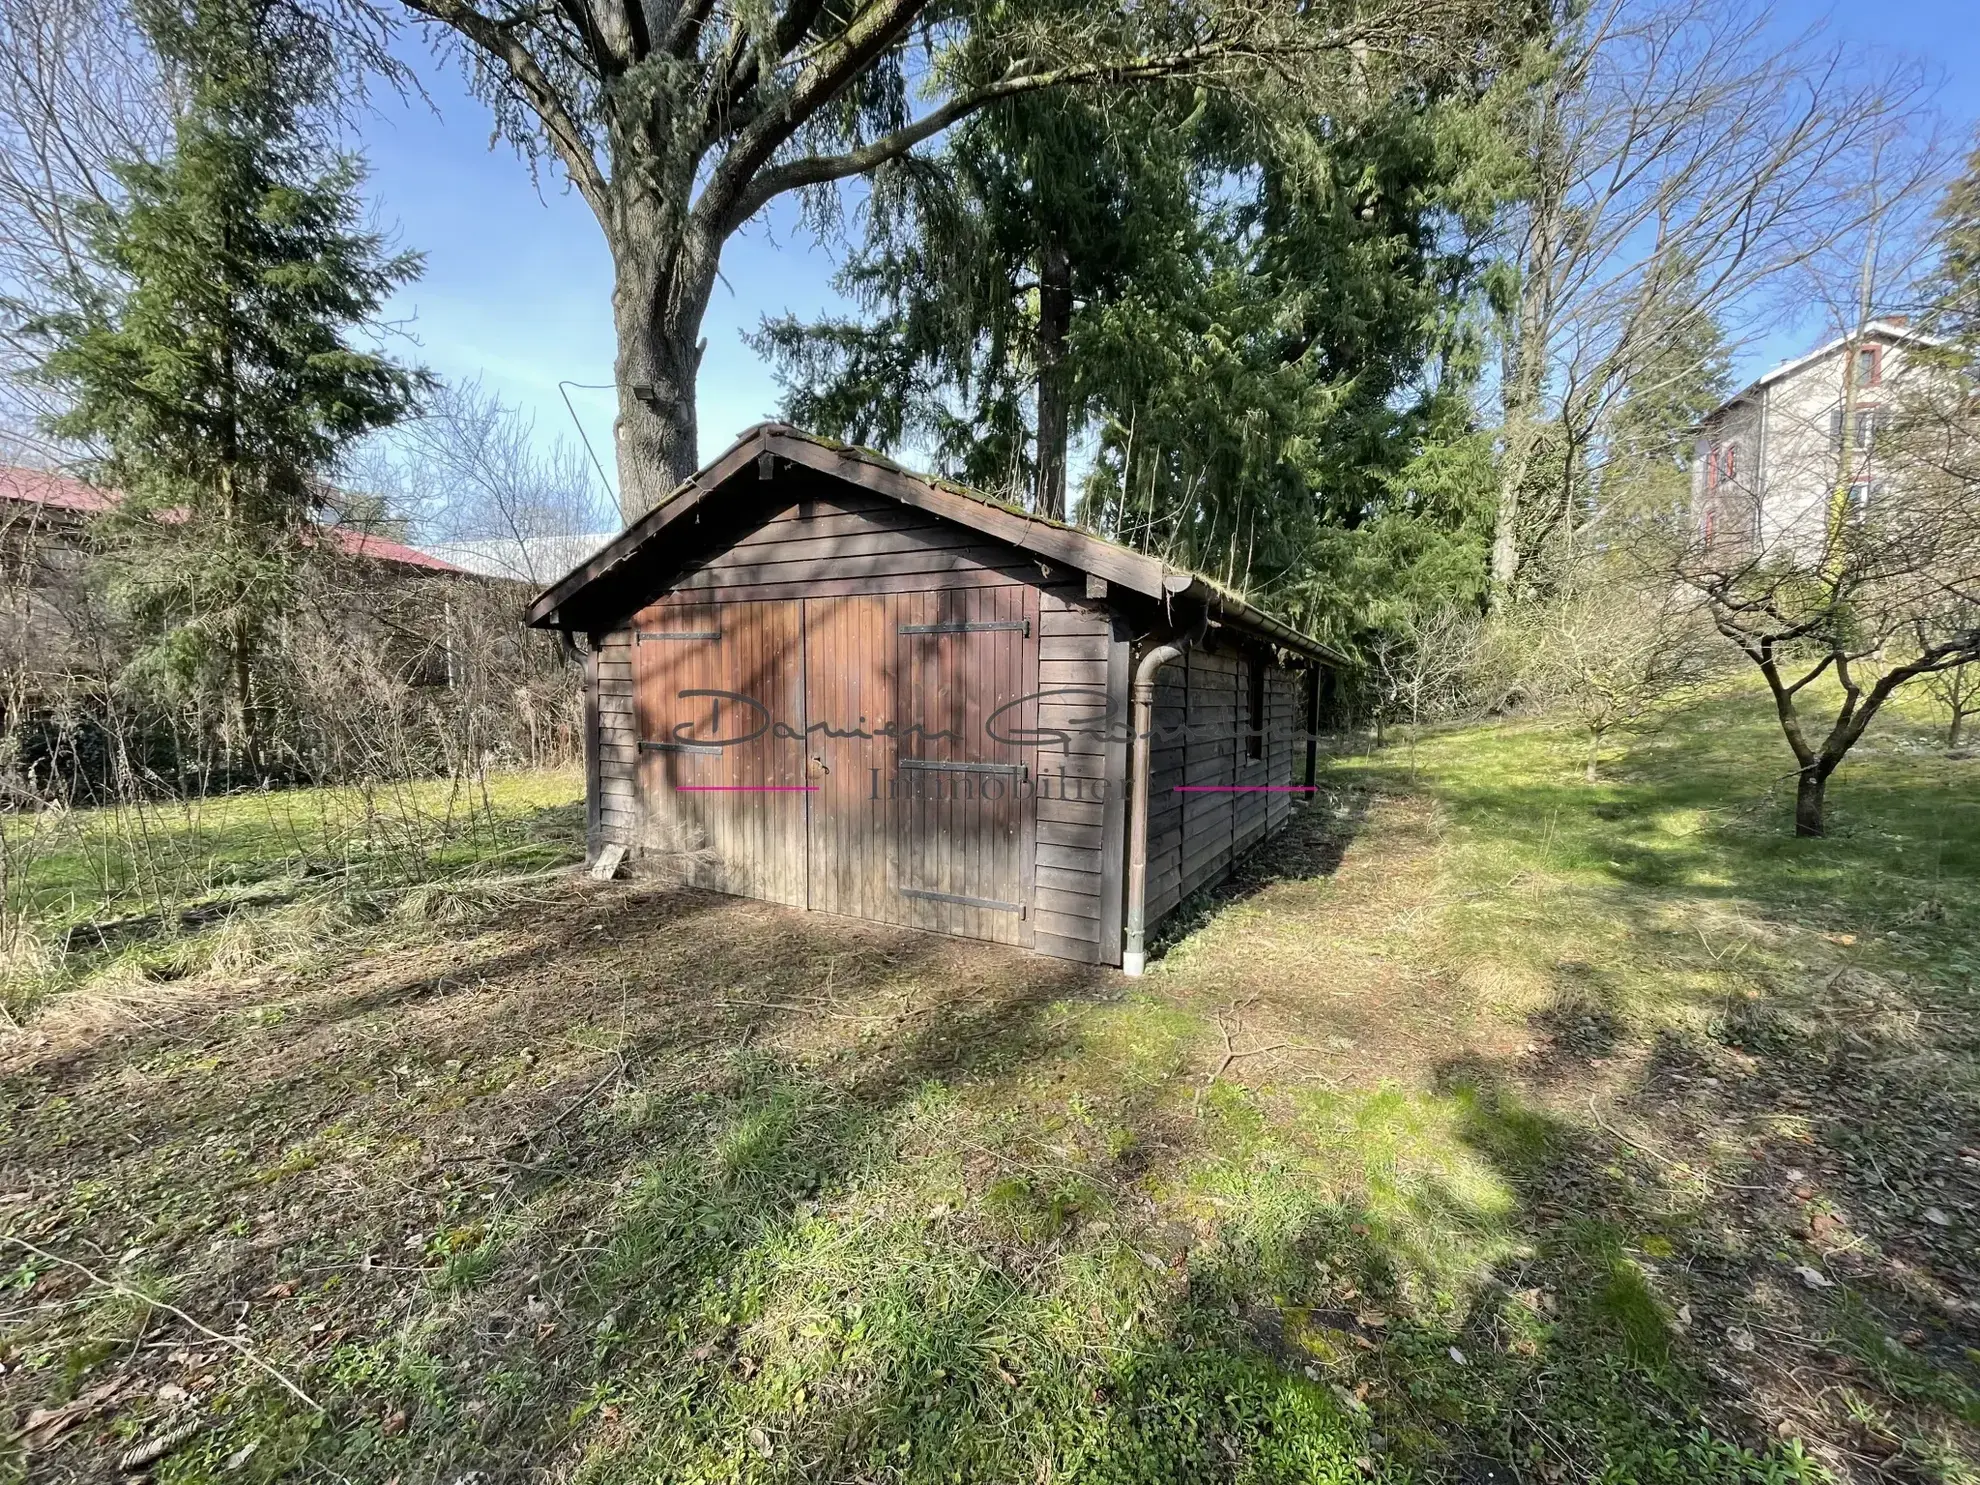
[
  {"x": 1685, "y": 373},
  {"x": 1271, "y": 344},
  {"x": 1956, "y": 307},
  {"x": 976, "y": 271},
  {"x": 216, "y": 367}
]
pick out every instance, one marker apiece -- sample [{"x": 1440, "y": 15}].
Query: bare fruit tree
[
  {"x": 1681, "y": 163},
  {"x": 1424, "y": 669},
  {"x": 1957, "y": 689},
  {"x": 1614, "y": 648},
  {"x": 1884, "y": 590}
]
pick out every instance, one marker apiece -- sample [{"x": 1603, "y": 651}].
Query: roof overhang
[
  {"x": 1889, "y": 330},
  {"x": 562, "y": 605}
]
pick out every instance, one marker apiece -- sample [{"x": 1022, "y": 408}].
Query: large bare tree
[
  {"x": 1682, "y": 164},
  {"x": 678, "y": 121}
]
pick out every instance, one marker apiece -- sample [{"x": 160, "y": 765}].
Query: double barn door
[{"x": 858, "y": 755}]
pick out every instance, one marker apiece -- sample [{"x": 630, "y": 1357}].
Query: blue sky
[{"x": 518, "y": 285}]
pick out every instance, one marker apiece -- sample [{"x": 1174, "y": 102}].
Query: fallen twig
[
  {"x": 1232, "y": 1052},
  {"x": 158, "y": 1304},
  {"x": 617, "y": 1070}
]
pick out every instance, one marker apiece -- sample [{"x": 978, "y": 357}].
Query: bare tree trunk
[
  {"x": 657, "y": 316},
  {"x": 1515, "y": 460},
  {"x": 1809, "y": 791},
  {"x": 1524, "y": 364},
  {"x": 1592, "y": 773},
  {"x": 1055, "y": 304}
]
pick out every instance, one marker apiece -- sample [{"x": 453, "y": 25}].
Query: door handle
[{"x": 817, "y": 768}]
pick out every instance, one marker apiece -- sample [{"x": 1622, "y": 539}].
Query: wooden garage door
[
  {"x": 707, "y": 677},
  {"x": 921, "y": 814}
]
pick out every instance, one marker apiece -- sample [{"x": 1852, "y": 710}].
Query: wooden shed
[{"x": 826, "y": 681}]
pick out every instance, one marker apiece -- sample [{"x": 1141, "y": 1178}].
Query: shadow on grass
[
  {"x": 1309, "y": 847},
  {"x": 1764, "y": 1054},
  {"x": 651, "y": 1185}
]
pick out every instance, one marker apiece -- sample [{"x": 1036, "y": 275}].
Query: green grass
[
  {"x": 159, "y": 890},
  {"x": 1478, "y": 1132},
  {"x": 81, "y": 864}
]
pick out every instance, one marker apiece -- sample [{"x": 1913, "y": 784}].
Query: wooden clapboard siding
[
  {"x": 1247, "y": 810},
  {"x": 836, "y": 603},
  {"x": 1283, "y": 722},
  {"x": 1165, "y": 806},
  {"x": 617, "y": 742},
  {"x": 1082, "y": 768},
  {"x": 1210, "y": 751},
  {"x": 1201, "y": 722},
  {"x": 838, "y": 542}
]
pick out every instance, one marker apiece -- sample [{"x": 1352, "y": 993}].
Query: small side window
[
  {"x": 1712, "y": 469},
  {"x": 1869, "y": 365}
]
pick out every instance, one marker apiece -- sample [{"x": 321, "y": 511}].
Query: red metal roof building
[{"x": 57, "y": 492}]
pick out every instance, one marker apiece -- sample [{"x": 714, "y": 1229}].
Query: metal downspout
[{"x": 1134, "y": 956}]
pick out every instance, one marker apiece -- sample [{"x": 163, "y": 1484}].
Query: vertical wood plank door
[
  {"x": 848, "y": 699},
  {"x": 965, "y": 675},
  {"x": 921, "y": 816},
  {"x": 720, "y": 785}
]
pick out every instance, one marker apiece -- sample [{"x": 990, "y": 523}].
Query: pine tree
[
  {"x": 218, "y": 372},
  {"x": 975, "y": 271},
  {"x": 1293, "y": 413},
  {"x": 1269, "y": 339},
  {"x": 1650, "y": 429}
]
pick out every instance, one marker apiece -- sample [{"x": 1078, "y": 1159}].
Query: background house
[
  {"x": 386, "y": 644},
  {"x": 48, "y": 627},
  {"x": 1770, "y": 457}
]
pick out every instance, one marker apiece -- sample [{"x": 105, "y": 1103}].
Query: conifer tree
[
  {"x": 1266, "y": 343},
  {"x": 1956, "y": 309},
  {"x": 976, "y": 268},
  {"x": 218, "y": 368}
]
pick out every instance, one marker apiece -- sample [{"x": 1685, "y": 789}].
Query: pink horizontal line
[
  {"x": 747, "y": 788},
  {"x": 1245, "y": 788}
]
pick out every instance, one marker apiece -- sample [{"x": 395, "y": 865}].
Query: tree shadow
[
  {"x": 686, "y": 1187},
  {"x": 1309, "y": 847}
]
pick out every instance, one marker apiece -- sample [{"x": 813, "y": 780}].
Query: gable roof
[
  {"x": 1053, "y": 540},
  {"x": 1875, "y": 329},
  {"x": 49, "y": 491}
]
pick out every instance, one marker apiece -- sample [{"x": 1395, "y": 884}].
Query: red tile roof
[
  {"x": 39, "y": 487},
  {"x": 59, "y": 492},
  {"x": 380, "y": 549}
]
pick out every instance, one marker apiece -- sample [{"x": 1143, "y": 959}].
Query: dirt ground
[{"x": 582, "y": 1186}]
